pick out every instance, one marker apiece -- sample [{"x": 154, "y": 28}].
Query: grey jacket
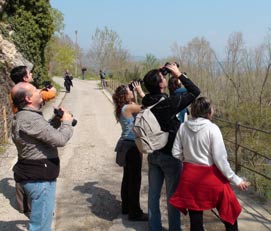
[{"x": 37, "y": 141}]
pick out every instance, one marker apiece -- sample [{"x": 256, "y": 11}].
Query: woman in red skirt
[{"x": 205, "y": 180}]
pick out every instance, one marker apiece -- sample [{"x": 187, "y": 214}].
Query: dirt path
[
  {"x": 88, "y": 188},
  {"x": 89, "y": 183}
]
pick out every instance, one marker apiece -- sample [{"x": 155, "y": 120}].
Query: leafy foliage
[
  {"x": 58, "y": 20},
  {"x": 33, "y": 26},
  {"x": 61, "y": 53},
  {"x": 106, "y": 52},
  {"x": 150, "y": 62}
]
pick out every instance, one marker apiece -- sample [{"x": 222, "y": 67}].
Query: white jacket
[{"x": 200, "y": 141}]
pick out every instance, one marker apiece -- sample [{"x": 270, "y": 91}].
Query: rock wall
[{"x": 9, "y": 58}]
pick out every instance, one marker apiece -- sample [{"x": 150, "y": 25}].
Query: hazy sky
[{"x": 152, "y": 26}]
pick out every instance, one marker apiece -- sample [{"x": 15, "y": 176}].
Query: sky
[{"x": 153, "y": 26}]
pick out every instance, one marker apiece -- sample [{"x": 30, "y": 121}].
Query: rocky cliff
[{"x": 9, "y": 58}]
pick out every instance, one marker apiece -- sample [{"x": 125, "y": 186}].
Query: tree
[
  {"x": 150, "y": 62},
  {"x": 63, "y": 54},
  {"x": 53, "y": 44},
  {"x": 58, "y": 21},
  {"x": 267, "y": 70},
  {"x": 33, "y": 26},
  {"x": 234, "y": 53},
  {"x": 106, "y": 51},
  {"x": 197, "y": 59}
]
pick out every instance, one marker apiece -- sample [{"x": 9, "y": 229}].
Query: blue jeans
[
  {"x": 163, "y": 166},
  {"x": 42, "y": 198}
]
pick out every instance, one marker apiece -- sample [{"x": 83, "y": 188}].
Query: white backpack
[{"x": 148, "y": 134}]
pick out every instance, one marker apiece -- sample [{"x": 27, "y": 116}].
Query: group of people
[
  {"x": 38, "y": 164},
  {"x": 193, "y": 163},
  {"x": 194, "y": 155}
]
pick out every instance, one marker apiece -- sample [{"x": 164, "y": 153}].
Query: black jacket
[{"x": 166, "y": 111}]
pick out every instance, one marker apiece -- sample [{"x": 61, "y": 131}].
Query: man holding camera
[
  {"x": 22, "y": 74},
  {"x": 38, "y": 163},
  {"x": 162, "y": 165}
]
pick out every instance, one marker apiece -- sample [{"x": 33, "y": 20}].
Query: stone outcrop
[
  {"x": 2, "y": 3},
  {"x": 10, "y": 57}
]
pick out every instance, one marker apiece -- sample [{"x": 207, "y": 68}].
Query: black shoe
[{"x": 141, "y": 217}]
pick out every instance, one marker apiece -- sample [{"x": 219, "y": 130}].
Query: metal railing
[
  {"x": 246, "y": 146},
  {"x": 238, "y": 144}
]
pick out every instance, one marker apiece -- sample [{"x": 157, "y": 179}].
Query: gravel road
[{"x": 88, "y": 188}]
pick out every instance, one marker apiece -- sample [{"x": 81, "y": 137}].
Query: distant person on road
[
  {"x": 36, "y": 141},
  {"x": 175, "y": 88},
  {"x": 84, "y": 69},
  {"x": 162, "y": 165},
  {"x": 22, "y": 74},
  {"x": 68, "y": 81},
  {"x": 102, "y": 77},
  {"x": 128, "y": 155},
  {"x": 204, "y": 182}
]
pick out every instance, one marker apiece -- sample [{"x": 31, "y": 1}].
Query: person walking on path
[
  {"x": 68, "y": 81},
  {"x": 102, "y": 77},
  {"x": 128, "y": 154},
  {"x": 199, "y": 145},
  {"x": 38, "y": 163},
  {"x": 162, "y": 165}
]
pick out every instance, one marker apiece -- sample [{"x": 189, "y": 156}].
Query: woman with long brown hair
[{"x": 128, "y": 154}]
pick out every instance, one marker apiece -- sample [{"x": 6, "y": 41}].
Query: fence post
[
  {"x": 5, "y": 124},
  {"x": 237, "y": 142}
]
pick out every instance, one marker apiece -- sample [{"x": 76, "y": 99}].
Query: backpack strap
[{"x": 161, "y": 99}]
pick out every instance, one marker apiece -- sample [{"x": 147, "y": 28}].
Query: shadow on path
[
  {"x": 8, "y": 191},
  {"x": 18, "y": 225},
  {"x": 102, "y": 203},
  {"x": 105, "y": 205}
]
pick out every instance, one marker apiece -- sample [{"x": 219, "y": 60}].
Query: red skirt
[{"x": 203, "y": 188}]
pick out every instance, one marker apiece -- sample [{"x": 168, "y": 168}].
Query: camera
[
  {"x": 130, "y": 85},
  {"x": 47, "y": 84},
  {"x": 164, "y": 70},
  {"x": 55, "y": 121}
]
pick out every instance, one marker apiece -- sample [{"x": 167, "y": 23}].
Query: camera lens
[
  {"x": 164, "y": 71},
  {"x": 130, "y": 85}
]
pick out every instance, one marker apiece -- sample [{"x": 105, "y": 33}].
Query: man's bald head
[{"x": 22, "y": 94}]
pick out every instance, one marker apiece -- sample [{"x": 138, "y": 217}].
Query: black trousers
[
  {"x": 131, "y": 183},
  {"x": 196, "y": 222}
]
